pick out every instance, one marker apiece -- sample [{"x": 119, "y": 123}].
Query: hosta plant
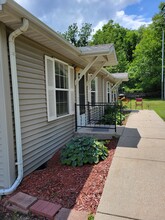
[{"x": 83, "y": 150}]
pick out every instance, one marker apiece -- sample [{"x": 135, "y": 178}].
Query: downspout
[{"x": 13, "y": 66}]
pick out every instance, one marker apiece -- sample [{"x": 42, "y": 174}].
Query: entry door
[{"x": 81, "y": 100}]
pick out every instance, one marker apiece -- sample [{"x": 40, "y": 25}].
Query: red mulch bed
[{"x": 73, "y": 187}]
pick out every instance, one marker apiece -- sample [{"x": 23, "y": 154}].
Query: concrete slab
[
  {"x": 22, "y": 200},
  {"x": 71, "y": 214},
  {"x": 128, "y": 141},
  {"x": 131, "y": 132},
  {"x": 152, "y": 132},
  {"x": 134, "y": 189},
  {"x": 135, "y": 185},
  {"x": 147, "y": 149},
  {"x": 145, "y": 118},
  {"x": 45, "y": 208},
  {"x": 103, "y": 134},
  {"x": 101, "y": 216}
]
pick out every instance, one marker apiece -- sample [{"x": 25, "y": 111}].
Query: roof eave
[{"x": 23, "y": 13}]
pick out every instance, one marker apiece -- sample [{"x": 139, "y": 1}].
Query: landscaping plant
[
  {"x": 90, "y": 217},
  {"x": 112, "y": 114},
  {"x": 83, "y": 150}
]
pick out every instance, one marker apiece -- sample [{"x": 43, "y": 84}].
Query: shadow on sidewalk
[{"x": 130, "y": 138}]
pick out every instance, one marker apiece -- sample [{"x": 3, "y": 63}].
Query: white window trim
[
  {"x": 108, "y": 87},
  {"x": 90, "y": 90},
  {"x": 70, "y": 89}
]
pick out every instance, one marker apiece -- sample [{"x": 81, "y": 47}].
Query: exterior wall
[
  {"x": 7, "y": 160},
  {"x": 100, "y": 88},
  {"x": 40, "y": 138}
]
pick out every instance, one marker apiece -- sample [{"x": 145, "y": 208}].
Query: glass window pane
[
  {"x": 93, "y": 85},
  {"x": 93, "y": 98},
  {"x": 62, "y": 103},
  {"x": 65, "y": 77},
  {"x": 82, "y": 95},
  {"x": 61, "y": 75},
  {"x": 57, "y": 81}
]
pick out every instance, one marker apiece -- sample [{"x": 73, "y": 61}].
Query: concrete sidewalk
[{"x": 135, "y": 186}]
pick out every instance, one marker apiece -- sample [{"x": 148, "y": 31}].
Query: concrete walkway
[{"x": 135, "y": 186}]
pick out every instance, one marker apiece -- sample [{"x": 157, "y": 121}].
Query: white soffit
[
  {"x": 120, "y": 76},
  {"x": 106, "y": 53}
]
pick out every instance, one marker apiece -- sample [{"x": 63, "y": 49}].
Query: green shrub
[
  {"x": 112, "y": 114},
  {"x": 83, "y": 150},
  {"x": 90, "y": 217}
]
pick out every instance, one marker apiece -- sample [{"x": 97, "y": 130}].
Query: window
[
  {"x": 94, "y": 91},
  {"x": 62, "y": 89},
  {"x": 82, "y": 95},
  {"x": 109, "y": 92},
  {"x": 59, "y": 87}
]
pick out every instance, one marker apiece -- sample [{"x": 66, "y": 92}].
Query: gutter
[
  {"x": 20, "y": 11},
  {"x": 17, "y": 122}
]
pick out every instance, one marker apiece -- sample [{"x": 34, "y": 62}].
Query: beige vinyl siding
[
  {"x": 104, "y": 90},
  {"x": 40, "y": 138},
  {"x": 100, "y": 88},
  {"x": 2, "y": 181},
  {"x": 7, "y": 158}
]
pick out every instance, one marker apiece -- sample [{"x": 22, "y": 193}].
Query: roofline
[
  {"x": 20, "y": 10},
  {"x": 100, "y": 52},
  {"x": 125, "y": 79},
  {"x": 23, "y": 13}
]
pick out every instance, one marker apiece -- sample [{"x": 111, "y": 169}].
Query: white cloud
[
  {"x": 121, "y": 4},
  {"x": 129, "y": 21},
  {"x": 99, "y": 26},
  {"x": 59, "y": 14},
  {"x": 24, "y": 3}
]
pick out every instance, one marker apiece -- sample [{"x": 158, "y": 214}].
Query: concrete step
[{"x": 71, "y": 214}]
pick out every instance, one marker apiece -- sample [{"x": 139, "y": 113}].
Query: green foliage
[
  {"x": 153, "y": 104},
  {"x": 145, "y": 70},
  {"x": 113, "y": 113},
  {"x": 90, "y": 217},
  {"x": 138, "y": 51},
  {"x": 83, "y": 150},
  {"x": 78, "y": 38},
  {"x": 124, "y": 41}
]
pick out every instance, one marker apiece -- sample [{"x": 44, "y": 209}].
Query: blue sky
[{"x": 59, "y": 14}]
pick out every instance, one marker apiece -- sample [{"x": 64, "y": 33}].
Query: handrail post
[
  {"x": 115, "y": 114},
  {"x": 120, "y": 105},
  {"x": 75, "y": 117},
  {"x": 89, "y": 117}
]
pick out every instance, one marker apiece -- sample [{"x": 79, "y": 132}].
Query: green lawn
[{"x": 153, "y": 104}]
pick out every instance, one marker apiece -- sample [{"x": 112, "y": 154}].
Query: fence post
[
  {"x": 120, "y": 111},
  {"x": 75, "y": 117},
  {"x": 115, "y": 114},
  {"x": 89, "y": 117}
]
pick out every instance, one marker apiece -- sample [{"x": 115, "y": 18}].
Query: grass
[{"x": 152, "y": 104}]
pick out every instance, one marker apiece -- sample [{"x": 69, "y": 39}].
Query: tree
[
  {"x": 124, "y": 41},
  {"x": 78, "y": 38},
  {"x": 145, "y": 70}
]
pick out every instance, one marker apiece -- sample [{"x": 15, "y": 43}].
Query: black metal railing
[{"x": 97, "y": 115}]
